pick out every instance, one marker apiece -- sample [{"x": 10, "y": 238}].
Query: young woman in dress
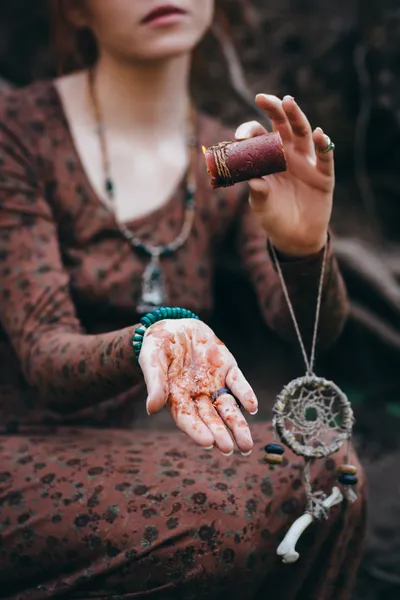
[{"x": 103, "y": 191}]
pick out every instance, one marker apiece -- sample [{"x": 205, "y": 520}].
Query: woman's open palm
[{"x": 184, "y": 365}]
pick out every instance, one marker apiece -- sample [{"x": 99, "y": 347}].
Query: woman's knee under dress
[{"x": 114, "y": 514}]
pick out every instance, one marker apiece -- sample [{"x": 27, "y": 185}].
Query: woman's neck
[{"x": 146, "y": 96}]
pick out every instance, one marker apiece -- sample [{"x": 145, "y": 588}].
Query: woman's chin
[{"x": 164, "y": 47}]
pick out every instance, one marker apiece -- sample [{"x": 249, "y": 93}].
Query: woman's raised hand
[
  {"x": 294, "y": 207},
  {"x": 184, "y": 366}
]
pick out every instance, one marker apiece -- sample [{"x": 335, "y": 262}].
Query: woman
[{"x": 97, "y": 221}]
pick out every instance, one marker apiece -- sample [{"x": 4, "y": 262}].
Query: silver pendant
[{"x": 153, "y": 287}]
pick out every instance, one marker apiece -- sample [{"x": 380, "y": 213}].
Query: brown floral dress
[{"x": 89, "y": 507}]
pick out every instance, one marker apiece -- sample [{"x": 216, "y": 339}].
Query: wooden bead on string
[
  {"x": 274, "y": 459},
  {"x": 349, "y": 469}
]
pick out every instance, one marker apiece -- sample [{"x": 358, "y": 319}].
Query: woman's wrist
[
  {"x": 150, "y": 318},
  {"x": 289, "y": 252}
]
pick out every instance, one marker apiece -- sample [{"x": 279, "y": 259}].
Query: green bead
[
  {"x": 140, "y": 332},
  {"x": 109, "y": 185},
  {"x": 169, "y": 312},
  {"x": 164, "y": 313},
  {"x": 146, "y": 321},
  {"x": 347, "y": 479},
  {"x": 138, "y": 338},
  {"x": 274, "y": 449},
  {"x": 173, "y": 313}
]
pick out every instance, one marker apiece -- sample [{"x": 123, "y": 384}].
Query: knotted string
[{"x": 223, "y": 170}]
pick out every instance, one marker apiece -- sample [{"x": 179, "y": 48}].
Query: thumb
[
  {"x": 259, "y": 194},
  {"x": 249, "y": 129},
  {"x": 154, "y": 366}
]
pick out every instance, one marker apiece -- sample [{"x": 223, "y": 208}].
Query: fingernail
[
  {"x": 209, "y": 447},
  {"x": 254, "y": 413},
  {"x": 287, "y": 97},
  {"x": 228, "y": 453},
  {"x": 319, "y": 129},
  {"x": 246, "y": 453},
  {"x": 242, "y": 133},
  {"x": 147, "y": 407}
]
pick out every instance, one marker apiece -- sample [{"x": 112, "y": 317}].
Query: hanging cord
[{"x": 308, "y": 362}]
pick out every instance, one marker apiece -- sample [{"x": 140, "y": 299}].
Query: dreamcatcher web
[{"x": 313, "y": 416}]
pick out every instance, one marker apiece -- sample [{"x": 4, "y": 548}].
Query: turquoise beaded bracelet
[{"x": 158, "y": 315}]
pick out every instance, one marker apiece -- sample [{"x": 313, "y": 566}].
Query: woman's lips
[{"x": 163, "y": 14}]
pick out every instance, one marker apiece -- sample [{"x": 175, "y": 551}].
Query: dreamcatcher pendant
[{"x": 313, "y": 417}]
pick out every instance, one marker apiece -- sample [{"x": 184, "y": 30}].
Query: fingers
[
  {"x": 325, "y": 160},
  {"x": 211, "y": 418},
  {"x": 185, "y": 414},
  {"x": 301, "y": 128},
  {"x": 228, "y": 410},
  {"x": 238, "y": 384},
  {"x": 288, "y": 118},
  {"x": 249, "y": 130},
  {"x": 274, "y": 109}
]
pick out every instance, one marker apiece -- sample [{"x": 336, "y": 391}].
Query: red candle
[{"x": 231, "y": 162}]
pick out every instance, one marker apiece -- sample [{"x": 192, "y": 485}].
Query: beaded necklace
[{"x": 153, "y": 289}]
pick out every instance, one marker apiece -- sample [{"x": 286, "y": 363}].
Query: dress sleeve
[
  {"x": 302, "y": 279},
  {"x": 67, "y": 367}
]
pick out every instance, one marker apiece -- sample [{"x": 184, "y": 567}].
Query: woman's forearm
[{"x": 70, "y": 370}]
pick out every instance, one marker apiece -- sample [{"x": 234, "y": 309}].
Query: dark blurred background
[{"x": 341, "y": 61}]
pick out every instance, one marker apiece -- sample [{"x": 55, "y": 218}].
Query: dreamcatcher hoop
[{"x": 331, "y": 412}]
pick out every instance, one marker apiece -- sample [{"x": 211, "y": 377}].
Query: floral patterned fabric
[{"x": 112, "y": 514}]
